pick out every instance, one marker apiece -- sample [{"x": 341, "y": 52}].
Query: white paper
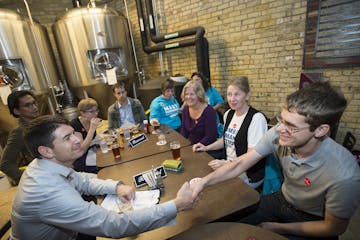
[
  {"x": 143, "y": 199},
  {"x": 5, "y": 92},
  {"x": 111, "y": 76}
]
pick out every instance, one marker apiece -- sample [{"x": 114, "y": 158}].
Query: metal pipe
[
  {"x": 201, "y": 44},
  {"x": 156, "y": 23},
  {"x": 134, "y": 52}
]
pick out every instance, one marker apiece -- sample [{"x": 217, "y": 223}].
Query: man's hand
[
  {"x": 215, "y": 164},
  {"x": 184, "y": 198},
  {"x": 125, "y": 192},
  {"x": 198, "y": 147}
]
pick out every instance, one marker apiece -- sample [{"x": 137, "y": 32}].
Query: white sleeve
[{"x": 257, "y": 129}]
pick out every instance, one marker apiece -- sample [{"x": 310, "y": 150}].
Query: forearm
[
  {"x": 233, "y": 169},
  {"x": 218, "y": 144},
  {"x": 309, "y": 229},
  {"x": 217, "y": 106},
  {"x": 87, "y": 141}
]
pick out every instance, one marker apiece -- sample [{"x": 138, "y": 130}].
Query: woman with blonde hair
[
  {"x": 198, "y": 118},
  {"x": 244, "y": 127},
  {"x": 86, "y": 124}
]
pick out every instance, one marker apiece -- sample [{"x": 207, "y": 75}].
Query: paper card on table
[{"x": 143, "y": 199}]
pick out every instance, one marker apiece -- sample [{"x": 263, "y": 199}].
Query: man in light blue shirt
[
  {"x": 125, "y": 110},
  {"x": 48, "y": 204}
]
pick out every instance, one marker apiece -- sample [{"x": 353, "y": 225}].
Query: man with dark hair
[
  {"x": 321, "y": 190},
  {"x": 22, "y": 105},
  {"x": 48, "y": 204},
  {"x": 125, "y": 110}
]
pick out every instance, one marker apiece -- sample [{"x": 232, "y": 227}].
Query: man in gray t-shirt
[{"x": 321, "y": 178}]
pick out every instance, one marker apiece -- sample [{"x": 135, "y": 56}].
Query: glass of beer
[
  {"x": 156, "y": 125},
  {"x": 175, "y": 149},
  {"x": 116, "y": 150}
]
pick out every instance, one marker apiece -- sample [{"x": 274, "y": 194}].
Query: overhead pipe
[
  {"x": 76, "y": 3},
  {"x": 201, "y": 44},
  {"x": 197, "y": 31}
]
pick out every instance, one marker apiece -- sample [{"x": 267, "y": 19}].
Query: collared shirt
[
  {"x": 328, "y": 180},
  {"x": 48, "y": 205},
  {"x": 126, "y": 114}
]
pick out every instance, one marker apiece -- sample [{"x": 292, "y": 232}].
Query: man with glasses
[
  {"x": 22, "y": 105},
  {"x": 321, "y": 189}
]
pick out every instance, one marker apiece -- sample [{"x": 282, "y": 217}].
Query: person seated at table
[
  {"x": 321, "y": 190},
  {"x": 22, "y": 105},
  {"x": 198, "y": 118},
  {"x": 48, "y": 203},
  {"x": 244, "y": 127},
  {"x": 86, "y": 124},
  {"x": 214, "y": 98},
  {"x": 125, "y": 110},
  {"x": 165, "y": 108}
]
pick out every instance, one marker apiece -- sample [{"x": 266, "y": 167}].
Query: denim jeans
[{"x": 274, "y": 208}]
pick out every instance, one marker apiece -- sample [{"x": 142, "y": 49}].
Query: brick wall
[{"x": 262, "y": 39}]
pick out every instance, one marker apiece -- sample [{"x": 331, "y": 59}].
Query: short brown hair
[
  {"x": 167, "y": 84},
  {"x": 319, "y": 102},
  {"x": 86, "y": 104},
  {"x": 118, "y": 85},
  {"x": 241, "y": 82}
]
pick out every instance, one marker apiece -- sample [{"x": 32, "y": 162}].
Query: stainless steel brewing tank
[
  {"x": 25, "y": 48},
  {"x": 91, "y": 41}
]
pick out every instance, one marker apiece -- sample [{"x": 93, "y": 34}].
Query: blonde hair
[
  {"x": 198, "y": 89},
  {"x": 86, "y": 104}
]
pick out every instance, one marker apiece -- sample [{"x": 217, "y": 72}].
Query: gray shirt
[
  {"x": 328, "y": 180},
  {"x": 48, "y": 205}
]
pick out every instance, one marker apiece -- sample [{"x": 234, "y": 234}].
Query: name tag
[
  {"x": 137, "y": 140},
  {"x": 139, "y": 178}
]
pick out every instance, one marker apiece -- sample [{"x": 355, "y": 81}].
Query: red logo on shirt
[
  {"x": 234, "y": 125},
  {"x": 307, "y": 181}
]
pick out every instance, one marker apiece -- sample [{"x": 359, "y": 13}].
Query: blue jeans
[{"x": 274, "y": 208}]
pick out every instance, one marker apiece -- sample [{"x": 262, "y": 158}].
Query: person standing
[
  {"x": 48, "y": 203},
  {"x": 321, "y": 190},
  {"x": 22, "y": 105},
  {"x": 244, "y": 127},
  {"x": 86, "y": 124},
  {"x": 125, "y": 110},
  {"x": 198, "y": 118},
  {"x": 165, "y": 108}
]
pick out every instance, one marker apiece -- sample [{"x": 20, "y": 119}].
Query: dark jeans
[{"x": 274, "y": 208}]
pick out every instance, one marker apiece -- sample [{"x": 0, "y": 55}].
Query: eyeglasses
[
  {"x": 289, "y": 129},
  {"x": 29, "y": 104},
  {"x": 92, "y": 111}
]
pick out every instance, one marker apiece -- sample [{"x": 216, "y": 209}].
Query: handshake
[{"x": 188, "y": 194}]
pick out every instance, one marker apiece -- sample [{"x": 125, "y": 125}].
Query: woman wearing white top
[{"x": 244, "y": 127}]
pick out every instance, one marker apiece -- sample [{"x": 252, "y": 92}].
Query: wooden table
[
  {"x": 6, "y": 198},
  {"x": 216, "y": 201},
  {"x": 228, "y": 231},
  {"x": 144, "y": 149}
]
